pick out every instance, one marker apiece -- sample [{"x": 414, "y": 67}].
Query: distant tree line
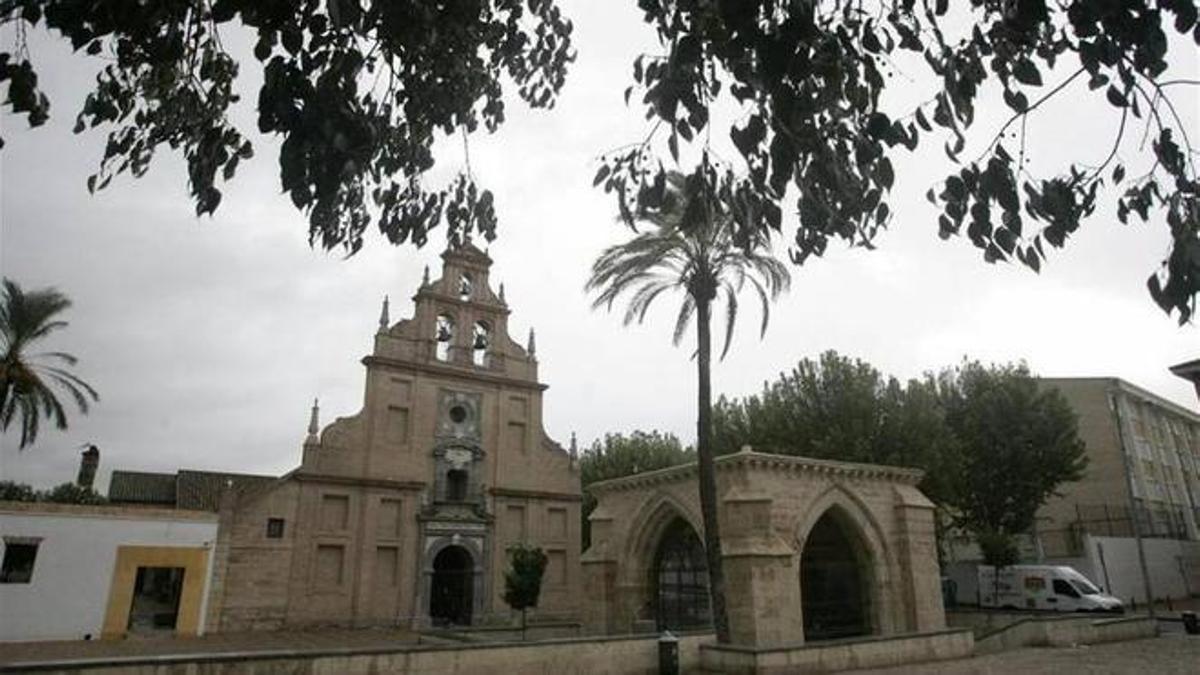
[
  {"x": 619, "y": 455},
  {"x": 66, "y": 493}
]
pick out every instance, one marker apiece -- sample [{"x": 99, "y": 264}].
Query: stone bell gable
[{"x": 403, "y": 513}]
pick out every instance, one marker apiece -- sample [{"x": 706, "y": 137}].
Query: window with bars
[{"x": 681, "y": 579}]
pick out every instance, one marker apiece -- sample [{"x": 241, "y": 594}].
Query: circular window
[{"x": 458, "y": 414}]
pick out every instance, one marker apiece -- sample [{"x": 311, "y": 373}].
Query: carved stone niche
[
  {"x": 458, "y": 415},
  {"x": 458, "y": 470}
]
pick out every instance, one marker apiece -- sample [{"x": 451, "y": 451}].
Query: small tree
[
  {"x": 523, "y": 580},
  {"x": 999, "y": 549},
  {"x": 1017, "y": 444}
]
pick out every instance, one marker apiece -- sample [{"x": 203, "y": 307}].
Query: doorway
[
  {"x": 451, "y": 593},
  {"x": 833, "y": 583},
  {"x": 155, "y": 606}
]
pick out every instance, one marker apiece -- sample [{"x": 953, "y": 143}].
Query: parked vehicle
[{"x": 1051, "y": 587}]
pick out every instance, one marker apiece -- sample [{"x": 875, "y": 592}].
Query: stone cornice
[
  {"x": 408, "y": 485},
  {"x": 473, "y": 375},
  {"x": 119, "y": 511},
  {"x": 749, "y": 460},
  {"x": 535, "y": 494},
  {"x": 493, "y": 307}
]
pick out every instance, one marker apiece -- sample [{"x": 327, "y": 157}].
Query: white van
[{"x": 1050, "y": 587}]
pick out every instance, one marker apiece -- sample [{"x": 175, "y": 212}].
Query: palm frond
[
  {"x": 766, "y": 304},
  {"x": 690, "y": 245},
  {"x": 685, "y": 317},
  {"x": 27, "y": 384},
  {"x": 731, "y": 310}
]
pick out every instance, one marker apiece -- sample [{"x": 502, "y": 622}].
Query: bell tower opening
[
  {"x": 444, "y": 335},
  {"x": 479, "y": 346},
  {"x": 465, "y": 287}
]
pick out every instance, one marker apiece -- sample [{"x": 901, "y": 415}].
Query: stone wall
[
  {"x": 594, "y": 656},
  {"x": 837, "y": 655},
  {"x": 768, "y": 506},
  {"x": 1065, "y": 631}
]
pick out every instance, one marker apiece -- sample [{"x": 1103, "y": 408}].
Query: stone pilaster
[
  {"x": 762, "y": 587},
  {"x": 600, "y": 579},
  {"x": 916, "y": 547}
]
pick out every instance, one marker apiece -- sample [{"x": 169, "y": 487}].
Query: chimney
[{"x": 88, "y": 463}]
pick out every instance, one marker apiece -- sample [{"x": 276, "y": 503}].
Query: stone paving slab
[
  {"x": 1170, "y": 654},
  {"x": 14, "y": 652}
]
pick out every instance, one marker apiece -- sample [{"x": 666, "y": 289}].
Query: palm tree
[
  {"x": 26, "y": 378},
  {"x": 699, "y": 256}
]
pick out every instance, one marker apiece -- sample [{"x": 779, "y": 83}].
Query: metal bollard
[
  {"x": 1190, "y": 623},
  {"x": 668, "y": 654}
]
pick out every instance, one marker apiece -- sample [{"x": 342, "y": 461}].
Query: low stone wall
[
  {"x": 1064, "y": 631},
  {"x": 626, "y": 655},
  {"x": 988, "y": 621},
  {"x": 541, "y": 631},
  {"x": 824, "y": 657}
]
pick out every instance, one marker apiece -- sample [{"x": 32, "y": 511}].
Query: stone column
[
  {"x": 762, "y": 580},
  {"x": 600, "y": 569},
  {"x": 920, "y": 588}
]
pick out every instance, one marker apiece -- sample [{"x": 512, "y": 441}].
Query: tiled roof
[
  {"x": 201, "y": 490},
  {"x": 141, "y": 487},
  {"x": 191, "y": 490}
]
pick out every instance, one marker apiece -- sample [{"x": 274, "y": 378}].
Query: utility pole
[{"x": 1114, "y": 404}]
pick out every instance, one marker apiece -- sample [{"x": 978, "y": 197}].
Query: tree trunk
[{"x": 708, "y": 478}]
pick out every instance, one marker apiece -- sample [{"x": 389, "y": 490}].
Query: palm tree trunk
[{"x": 708, "y": 478}]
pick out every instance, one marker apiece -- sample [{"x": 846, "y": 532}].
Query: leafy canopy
[
  {"x": 843, "y": 409},
  {"x": 994, "y": 444},
  {"x": 28, "y": 379},
  {"x": 358, "y": 90},
  {"x": 806, "y": 80},
  {"x": 1018, "y": 443}
]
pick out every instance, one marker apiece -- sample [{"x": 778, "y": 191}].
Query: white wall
[
  {"x": 1163, "y": 560},
  {"x": 68, "y": 593}
]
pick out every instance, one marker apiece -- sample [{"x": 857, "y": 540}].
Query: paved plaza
[
  {"x": 1166, "y": 655},
  {"x": 17, "y": 652},
  {"x": 1171, "y": 653}
]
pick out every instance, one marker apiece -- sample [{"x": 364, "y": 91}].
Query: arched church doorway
[
  {"x": 451, "y": 591},
  {"x": 833, "y": 583},
  {"x": 680, "y": 579}
]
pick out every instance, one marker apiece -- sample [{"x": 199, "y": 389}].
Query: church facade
[{"x": 403, "y": 513}]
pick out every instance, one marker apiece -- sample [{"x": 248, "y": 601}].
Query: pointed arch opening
[
  {"x": 679, "y": 579},
  {"x": 836, "y": 589}
]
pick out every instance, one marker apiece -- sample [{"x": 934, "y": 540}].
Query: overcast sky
[{"x": 209, "y": 338}]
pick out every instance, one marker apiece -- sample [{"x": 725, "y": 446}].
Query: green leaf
[
  {"x": 601, "y": 174},
  {"x": 1116, "y": 98},
  {"x": 1027, "y": 73}
]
